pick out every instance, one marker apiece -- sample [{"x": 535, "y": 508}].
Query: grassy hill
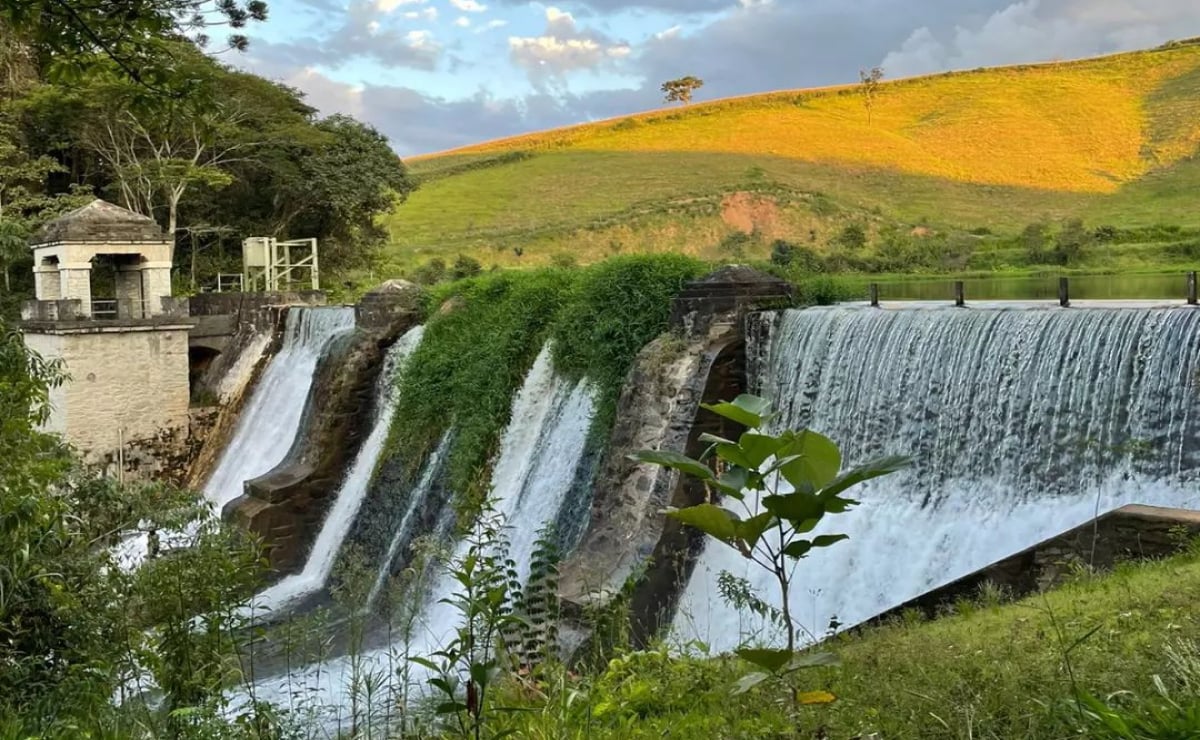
[{"x": 956, "y": 164}]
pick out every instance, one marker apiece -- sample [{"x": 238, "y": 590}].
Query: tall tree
[
  {"x": 72, "y": 34},
  {"x": 682, "y": 89}
]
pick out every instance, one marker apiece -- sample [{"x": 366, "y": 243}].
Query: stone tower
[{"x": 104, "y": 307}]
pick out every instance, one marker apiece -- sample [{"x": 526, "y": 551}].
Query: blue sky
[{"x": 435, "y": 74}]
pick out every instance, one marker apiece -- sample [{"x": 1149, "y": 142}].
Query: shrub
[
  {"x": 735, "y": 244},
  {"x": 465, "y": 267},
  {"x": 853, "y": 236},
  {"x": 783, "y": 253},
  {"x": 430, "y": 273}
]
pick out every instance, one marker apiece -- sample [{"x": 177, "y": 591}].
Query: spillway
[
  {"x": 533, "y": 473},
  {"x": 1023, "y": 422},
  {"x": 350, "y": 494},
  {"x": 269, "y": 422}
]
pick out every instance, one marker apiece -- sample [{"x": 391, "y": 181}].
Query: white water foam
[
  {"x": 1023, "y": 424},
  {"x": 541, "y": 449},
  {"x": 352, "y": 491}
]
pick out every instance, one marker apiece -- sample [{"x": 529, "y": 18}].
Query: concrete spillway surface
[
  {"x": 540, "y": 452},
  {"x": 1023, "y": 422},
  {"x": 351, "y": 492},
  {"x": 269, "y": 422}
]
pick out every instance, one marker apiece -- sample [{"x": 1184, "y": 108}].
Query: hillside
[{"x": 1110, "y": 140}]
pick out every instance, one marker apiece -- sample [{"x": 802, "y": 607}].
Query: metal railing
[
  {"x": 109, "y": 309},
  {"x": 230, "y": 282}
]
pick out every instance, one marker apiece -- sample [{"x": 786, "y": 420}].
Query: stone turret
[{"x": 126, "y": 354}]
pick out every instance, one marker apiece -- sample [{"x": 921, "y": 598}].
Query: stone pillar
[
  {"x": 76, "y": 283},
  {"x": 47, "y": 284},
  {"x": 156, "y": 285},
  {"x": 129, "y": 293}
]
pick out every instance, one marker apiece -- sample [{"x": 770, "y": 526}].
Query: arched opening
[
  {"x": 116, "y": 286},
  {"x": 200, "y": 359}
]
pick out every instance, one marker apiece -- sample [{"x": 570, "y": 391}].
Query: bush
[
  {"x": 564, "y": 260},
  {"x": 1033, "y": 240},
  {"x": 430, "y": 273},
  {"x": 1072, "y": 240},
  {"x": 735, "y": 244},
  {"x": 854, "y": 236},
  {"x": 465, "y": 267},
  {"x": 783, "y": 253}
]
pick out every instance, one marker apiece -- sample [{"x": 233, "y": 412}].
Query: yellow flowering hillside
[{"x": 1109, "y": 140}]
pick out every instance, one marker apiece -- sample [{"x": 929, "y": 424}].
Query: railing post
[
  {"x": 1064, "y": 292},
  {"x": 1191, "y": 289},
  {"x": 874, "y": 292},
  {"x": 960, "y": 298}
]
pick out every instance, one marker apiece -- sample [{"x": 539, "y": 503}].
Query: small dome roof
[{"x": 99, "y": 221}]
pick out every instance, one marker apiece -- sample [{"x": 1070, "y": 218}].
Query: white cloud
[
  {"x": 563, "y": 48},
  {"x": 429, "y": 14},
  {"x": 388, "y": 6},
  {"x": 492, "y": 25},
  {"x": 469, "y": 6},
  {"x": 462, "y": 21}
]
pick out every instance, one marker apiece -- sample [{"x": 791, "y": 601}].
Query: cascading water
[
  {"x": 351, "y": 493},
  {"x": 541, "y": 449},
  {"x": 1022, "y": 422},
  {"x": 269, "y": 423}
]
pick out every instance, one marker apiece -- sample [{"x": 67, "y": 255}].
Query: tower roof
[{"x": 99, "y": 221}]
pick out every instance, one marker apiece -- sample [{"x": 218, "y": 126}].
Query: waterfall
[
  {"x": 535, "y": 468},
  {"x": 269, "y": 423},
  {"x": 1023, "y": 423},
  {"x": 352, "y": 491}
]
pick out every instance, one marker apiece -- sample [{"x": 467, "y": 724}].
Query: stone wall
[{"x": 124, "y": 385}]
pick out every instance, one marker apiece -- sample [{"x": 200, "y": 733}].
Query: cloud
[
  {"x": 468, "y": 6},
  {"x": 387, "y": 6},
  {"x": 429, "y": 14},
  {"x": 563, "y": 47},
  {"x": 1034, "y": 30}
]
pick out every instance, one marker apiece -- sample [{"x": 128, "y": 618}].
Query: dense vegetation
[
  {"x": 214, "y": 154},
  {"x": 485, "y": 331},
  {"x": 950, "y": 174}
]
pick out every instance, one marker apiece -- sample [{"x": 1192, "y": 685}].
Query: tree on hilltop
[
  {"x": 869, "y": 85},
  {"x": 681, "y": 90}
]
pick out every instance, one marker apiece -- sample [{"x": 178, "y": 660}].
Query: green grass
[
  {"x": 990, "y": 671},
  {"x": 1110, "y": 140}
]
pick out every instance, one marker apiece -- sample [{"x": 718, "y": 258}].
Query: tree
[
  {"x": 869, "y": 86},
  {"x": 73, "y": 34},
  {"x": 681, "y": 90},
  {"x": 777, "y": 489}
]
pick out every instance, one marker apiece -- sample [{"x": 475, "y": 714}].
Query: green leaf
[
  {"x": 747, "y": 410},
  {"x": 770, "y": 659},
  {"x": 706, "y": 437},
  {"x": 794, "y": 507},
  {"x": 733, "y": 455},
  {"x": 873, "y": 469},
  {"x": 758, "y": 447},
  {"x": 814, "y": 697},
  {"x": 837, "y": 505},
  {"x": 751, "y": 530},
  {"x": 749, "y": 681},
  {"x": 734, "y": 480},
  {"x": 676, "y": 461},
  {"x": 826, "y": 540},
  {"x": 712, "y": 520},
  {"x": 819, "y": 462},
  {"x": 797, "y": 549},
  {"x": 811, "y": 660}
]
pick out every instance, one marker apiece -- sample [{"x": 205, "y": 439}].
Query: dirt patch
[{"x": 750, "y": 212}]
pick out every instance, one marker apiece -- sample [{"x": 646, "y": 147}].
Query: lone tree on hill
[
  {"x": 870, "y": 88},
  {"x": 680, "y": 91}
]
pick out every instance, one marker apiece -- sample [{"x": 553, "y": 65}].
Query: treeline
[
  {"x": 1041, "y": 244},
  {"x": 212, "y": 153}
]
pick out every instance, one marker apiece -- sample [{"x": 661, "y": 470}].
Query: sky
[{"x": 437, "y": 74}]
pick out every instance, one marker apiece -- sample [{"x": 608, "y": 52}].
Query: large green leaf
[
  {"x": 710, "y": 519},
  {"x": 734, "y": 481},
  {"x": 749, "y": 681},
  {"x": 797, "y": 549},
  {"x": 747, "y": 410},
  {"x": 769, "y": 659},
  {"x": 676, "y": 461},
  {"x": 811, "y": 660},
  {"x": 794, "y": 507},
  {"x": 874, "y": 469},
  {"x": 734, "y": 455},
  {"x": 751, "y": 530},
  {"x": 826, "y": 540},
  {"x": 757, "y": 447},
  {"x": 818, "y": 464}
]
